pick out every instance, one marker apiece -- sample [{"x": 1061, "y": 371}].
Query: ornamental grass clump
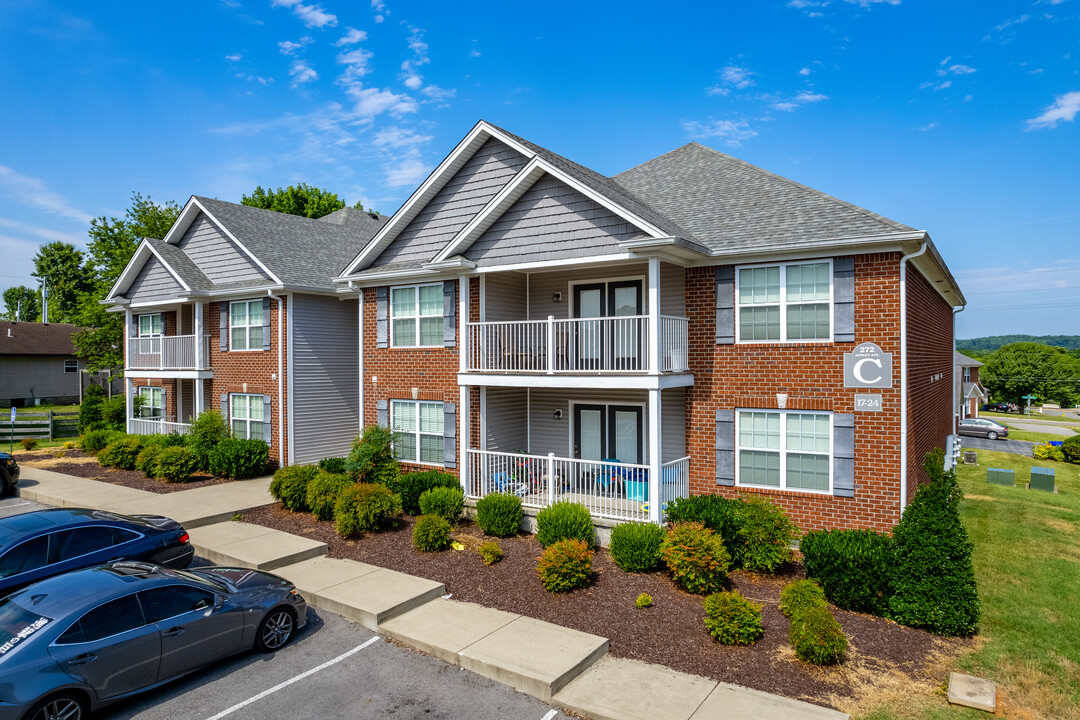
[
  {"x": 565, "y": 566},
  {"x": 565, "y": 520},
  {"x": 447, "y": 502},
  {"x": 322, "y": 493},
  {"x": 490, "y": 552},
  {"x": 635, "y": 546},
  {"x": 853, "y": 567},
  {"x": 499, "y": 514},
  {"x": 732, "y": 619},
  {"x": 696, "y": 557},
  {"x": 431, "y": 533},
  {"x": 290, "y": 486},
  {"x": 362, "y": 507}
]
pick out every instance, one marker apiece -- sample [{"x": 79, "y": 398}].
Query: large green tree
[
  {"x": 303, "y": 200},
  {"x": 60, "y": 266},
  {"x": 26, "y": 298},
  {"x": 1027, "y": 368}
]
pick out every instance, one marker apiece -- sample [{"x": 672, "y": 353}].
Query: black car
[
  {"x": 9, "y": 474},
  {"x": 1001, "y": 407},
  {"x": 37, "y": 545}
]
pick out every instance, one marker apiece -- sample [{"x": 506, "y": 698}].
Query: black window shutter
[
  {"x": 382, "y": 413},
  {"x": 844, "y": 299},
  {"x": 223, "y": 326},
  {"x": 844, "y": 455},
  {"x": 725, "y": 447},
  {"x": 382, "y": 318},
  {"x": 266, "y": 323},
  {"x": 267, "y": 434},
  {"x": 725, "y": 305},
  {"x": 449, "y": 311},
  {"x": 449, "y": 435},
  {"x": 225, "y": 406}
]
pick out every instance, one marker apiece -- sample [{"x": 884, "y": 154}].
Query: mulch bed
[
  {"x": 670, "y": 633},
  {"x": 81, "y": 464}
]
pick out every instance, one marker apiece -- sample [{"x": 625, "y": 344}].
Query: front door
[
  {"x": 608, "y": 432},
  {"x": 601, "y": 341}
]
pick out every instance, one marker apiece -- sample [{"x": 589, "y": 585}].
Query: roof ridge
[{"x": 658, "y": 157}]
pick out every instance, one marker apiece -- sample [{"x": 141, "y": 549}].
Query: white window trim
[
  {"x": 783, "y": 450},
  {"x": 151, "y": 334},
  {"x": 247, "y": 329},
  {"x": 145, "y": 406},
  {"x": 74, "y": 364},
  {"x": 416, "y": 433},
  {"x": 416, "y": 317},
  {"x": 247, "y": 420},
  {"x": 644, "y": 431},
  {"x": 783, "y": 304}
]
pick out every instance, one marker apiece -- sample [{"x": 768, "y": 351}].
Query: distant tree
[
  {"x": 1027, "y": 368},
  {"x": 980, "y": 347},
  {"x": 60, "y": 266},
  {"x": 303, "y": 200},
  {"x": 31, "y": 303}
]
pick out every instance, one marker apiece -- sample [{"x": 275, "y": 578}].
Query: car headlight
[{"x": 295, "y": 596}]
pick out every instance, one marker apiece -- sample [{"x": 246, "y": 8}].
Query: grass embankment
[
  {"x": 1036, "y": 437},
  {"x": 1024, "y": 416}
]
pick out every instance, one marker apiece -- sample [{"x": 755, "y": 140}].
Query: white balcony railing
[
  {"x": 167, "y": 352},
  {"x": 157, "y": 426},
  {"x": 580, "y": 345}
]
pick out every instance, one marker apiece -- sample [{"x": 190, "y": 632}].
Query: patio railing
[
  {"x": 167, "y": 352},
  {"x": 158, "y": 426}
]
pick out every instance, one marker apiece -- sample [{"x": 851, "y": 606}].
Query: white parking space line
[
  {"x": 287, "y": 683},
  {"x": 550, "y": 714},
  {"x": 17, "y": 504}
]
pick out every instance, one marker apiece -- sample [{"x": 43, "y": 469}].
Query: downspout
[
  {"x": 360, "y": 351},
  {"x": 904, "y": 375},
  {"x": 280, "y": 382},
  {"x": 957, "y": 389}
]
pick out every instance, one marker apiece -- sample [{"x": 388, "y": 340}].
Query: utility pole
[{"x": 44, "y": 302}]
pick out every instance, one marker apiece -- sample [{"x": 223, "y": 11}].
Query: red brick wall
[{"x": 811, "y": 374}]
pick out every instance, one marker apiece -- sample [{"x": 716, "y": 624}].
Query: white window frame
[
  {"x": 149, "y": 390},
  {"x": 252, "y": 398},
  {"x": 416, "y": 317},
  {"x": 71, "y": 366},
  {"x": 150, "y": 317},
  {"x": 783, "y": 451},
  {"x": 417, "y": 434},
  {"x": 783, "y": 303},
  {"x": 247, "y": 327}
]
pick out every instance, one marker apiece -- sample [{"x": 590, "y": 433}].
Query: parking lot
[{"x": 332, "y": 669}]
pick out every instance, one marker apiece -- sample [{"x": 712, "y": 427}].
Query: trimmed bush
[
  {"x": 207, "y": 430},
  {"x": 490, "y": 552},
  {"x": 28, "y": 443},
  {"x": 431, "y": 533},
  {"x": 412, "y": 485},
  {"x": 765, "y": 535},
  {"x": 146, "y": 462},
  {"x": 1070, "y": 449},
  {"x": 644, "y": 600},
  {"x": 565, "y": 566},
  {"x": 237, "y": 459},
  {"x": 696, "y": 557},
  {"x": 732, "y": 619},
  {"x": 322, "y": 493},
  {"x": 565, "y": 520},
  {"x": 176, "y": 464},
  {"x": 853, "y": 567},
  {"x": 817, "y": 637},
  {"x": 499, "y": 514},
  {"x": 95, "y": 441},
  {"x": 114, "y": 413},
  {"x": 90, "y": 409},
  {"x": 720, "y": 514},
  {"x": 932, "y": 578},
  {"x": 121, "y": 454},
  {"x": 333, "y": 465},
  {"x": 1049, "y": 452},
  {"x": 362, "y": 507},
  {"x": 372, "y": 458},
  {"x": 447, "y": 502},
  {"x": 799, "y": 596},
  {"x": 635, "y": 546},
  {"x": 290, "y": 486}
]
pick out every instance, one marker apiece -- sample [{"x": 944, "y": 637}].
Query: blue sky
[{"x": 954, "y": 117}]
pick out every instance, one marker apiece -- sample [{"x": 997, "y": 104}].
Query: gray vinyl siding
[
  {"x": 153, "y": 282},
  {"x": 325, "y": 371},
  {"x": 463, "y": 196},
  {"x": 216, "y": 255},
  {"x": 672, "y": 290},
  {"x": 186, "y": 393},
  {"x": 505, "y": 419},
  {"x": 37, "y": 376},
  {"x": 551, "y": 221},
  {"x": 543, "y": 286},
  {"x": 504, "y": 296},
  {"x": 673, "y": 424}
]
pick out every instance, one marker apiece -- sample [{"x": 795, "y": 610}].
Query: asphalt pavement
[{"x": 1019, "y": 447}]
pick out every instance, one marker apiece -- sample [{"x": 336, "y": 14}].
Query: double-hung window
[
  {"x": 789, "y": 450},
  {"x": 785, "y": 303},
  {"x": 153, "y": 402},
  {"x": 419, "y": 428},
  {"x": 246, "y": 325},
  {"x": 246, "y": 416},
  {"x": 71, "y": 366},
  {"x": 151, "y": 328},
  {"x": 416, "y": 315}
]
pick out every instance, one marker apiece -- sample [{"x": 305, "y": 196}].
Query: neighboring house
[
  {"x": 970, "y": 392},
  {"x": 694, "y": 324},
  {"x": 38, "y": 365},
  {"x": 235, "y": 310}
]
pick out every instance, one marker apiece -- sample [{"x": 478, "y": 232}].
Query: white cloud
[
  {"x": 301, "y": 72},
  {"x": 717, "y": 90},
  {"x": 1012, "y": 21},
  {"x": 33, "y": 193},
  {"x": 369, "y": 102},
  {"x": 474, "y": 53},
  {"x": 313, "y": 16},
  {"x": 732, "y": 132},
  {"x": 412, "y": 77},
  {"x": 785, "y": 106},
  {"x": 804, "y": 4},
  {"x": 396, "y": 137},
  {"x": 438, "y": 94},
  {"x": 356, "y": 64},
  {"x": 43, "y": 233},
  {"x": 288, "y": 47},
  {"x": 799, "y": 100},
  {"x": 943, "y": 86},
  {"x": 351, "y": 37},
  {"x": 1064, "y": 108},
  {"x": 805, "y": 71},
  {"x": 736, "y": 76},
  {"x": 407, "y": 171},
  {"x": 378, "y": 8},
  {"x": 810, "y": 97},
  {"x": 871, "y": 3},
  {"x": 233, "y": 58},
  {"x": 931, "y": 126}
]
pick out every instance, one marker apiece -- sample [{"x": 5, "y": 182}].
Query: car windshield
[
  {"x": 215, "y": 583},
  {"x": 17, "y": 624}
]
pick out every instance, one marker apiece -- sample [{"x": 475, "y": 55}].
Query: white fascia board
[
  {"x": 183, "y": 221},
  {"x": 129, "y": 269},
  {"x": 816, "y": 248},
  {"x": 400, "y": 277},
  {"x": 171, "y": 374},
  {"x": 588, "y": 382},
  {"x": 451, "y": 264},
  {"x": 221, "y": 226},
  {"x": 560, "y": 264}
]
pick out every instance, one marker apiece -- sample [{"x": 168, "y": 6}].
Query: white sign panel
[
  {"x": 867, "y": 367},
  {"x": 867, "y": 403}
]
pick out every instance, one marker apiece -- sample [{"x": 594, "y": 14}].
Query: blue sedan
[{"x": 37, "y": 545}]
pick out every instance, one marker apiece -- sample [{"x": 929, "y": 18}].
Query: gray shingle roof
[
  {"x": 961, "y": 359},
  {"x": 729, "y": 204},
  {"x": 178, "y": 260},
  {"x": 31, "y": 338}
]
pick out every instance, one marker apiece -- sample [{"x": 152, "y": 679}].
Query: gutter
[
  {"x": 904, "y": 374},
  {"x": 280, "y": 382}
]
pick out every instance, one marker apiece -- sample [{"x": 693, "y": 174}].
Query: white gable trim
[{"x": 135, "y": 265}]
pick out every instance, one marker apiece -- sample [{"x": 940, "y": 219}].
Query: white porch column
[
  {"x": 200, "y": 341},
  {"x": 654, "y": 316},
  {"x": 464, "y": 406},
  {"x": 129, "y": 399},
  {"x": 654, "y": 456},
  {"x": 199, "y": 400}
]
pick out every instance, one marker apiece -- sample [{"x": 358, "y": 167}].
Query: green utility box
[
  {"x": 997, "y": 476},
  {"x": 1042, "y": 479}
]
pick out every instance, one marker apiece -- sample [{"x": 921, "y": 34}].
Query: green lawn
[
  {"x": 1027, "y": 561},
  {"x": 1034, "y": 436},
  {"x": 45, "y": 408},
  {"x": 1023, "y": 416}
]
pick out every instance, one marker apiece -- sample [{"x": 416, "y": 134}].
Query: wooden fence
[{"x": 49, "y": 425}]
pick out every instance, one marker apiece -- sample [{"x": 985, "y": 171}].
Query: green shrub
[
  {"x": 732, "y": 619},
  {"x": 447, "y": 502},
  {"x": 565, "y": 520},
  {"x": 95, "y": 441},
  {"x": 121, "y": 454},
  {"x": 720, "y": 514},
  {"x": 237, "y": 459},
  {"x": 765, "y": 536},
  {"x": 207, "y": 430},
  {"x": 176, "y": 464},
  {"x": 1049, "y": 452},
  {"x": 146, "y": 462},
  {"x": 800, "y": 596},
  {"x": 362, "y": 507},
  {"x": 333, "y": 465},
  {"x": 290, "y": 486},
  {"x": 565, "y": 565},
  {"x": 643, "y": 601},
  {"x": 499, "y": 514},
  {"x": 635, "y": 546},
  {"x": 28, "y": 443},
  {"x": 932, "y": 578},
  {"x": 90, "y": 409},
  {"x": 322, "y": 493},
  {"x": 69, "y": 445},
  {"x": 431, "y": 533},
  {"x": 412, "y": 485},
  {"x": 113, "y": 413},
  {"x": 817, "y": 637},
  {"x": 1070, "y": 449},
  {"x": 491, "y": 552},
  {"x": 696, "y": 557},
  {"x": 372, "y": 457},
  {"x": 852, "y": 566}
]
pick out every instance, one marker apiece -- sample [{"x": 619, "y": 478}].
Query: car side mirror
[{"x": 218, "y": 602}]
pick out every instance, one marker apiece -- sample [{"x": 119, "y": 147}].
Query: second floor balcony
[{"x": 169, "y": 352}]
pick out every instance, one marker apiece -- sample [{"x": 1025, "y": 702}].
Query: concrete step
[
  {"x": 733, "y": 701},
  {"x": 621, "y": 689},
  {"x": 444, "y": 628},
  {"x": 203, "y": 506},
  {"x": 252, "y": 546},
  {"x": 59, "y": 490}
]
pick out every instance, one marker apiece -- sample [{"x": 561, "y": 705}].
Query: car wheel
[
  {"x": 275, "y": 630},
  {"x": 64, "y": 706},
  {"x": 991, "y": 435}
]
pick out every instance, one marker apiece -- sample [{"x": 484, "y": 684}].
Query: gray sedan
[
  {"x": 981, "y": 427},
  {"x": 75, "y": 642}
]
